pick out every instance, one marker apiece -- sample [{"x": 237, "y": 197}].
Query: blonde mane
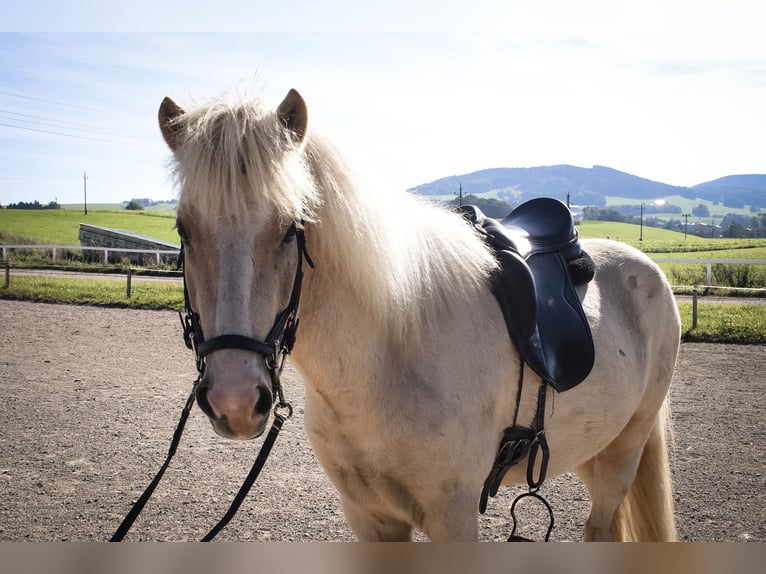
[
  {"x": 235, "y": 157},
  {"x": 403, "y": 259},
  {"x": 406, "y": 259}
]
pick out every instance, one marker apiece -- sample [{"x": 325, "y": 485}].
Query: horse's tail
[{"x": 647, "y": 514}]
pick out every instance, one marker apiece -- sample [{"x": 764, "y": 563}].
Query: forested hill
[{"x": 590, "y": 186}]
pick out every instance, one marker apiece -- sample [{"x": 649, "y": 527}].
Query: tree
[
  {"x": 134, "y": 205},
  {"x": 701, "y": 211},
  {"x": 490, "y": 206},
  {"x": 734, "y": 230}
]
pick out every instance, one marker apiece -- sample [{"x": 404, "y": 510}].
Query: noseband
[{"x": 278, "y": 342}]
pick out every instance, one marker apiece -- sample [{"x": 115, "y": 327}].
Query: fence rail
[
  {"x": 709, "y": 264},
  {"x": 158, "y": 253}
]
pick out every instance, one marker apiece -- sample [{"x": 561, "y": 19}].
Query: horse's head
[{"x": 244, "y": 191}]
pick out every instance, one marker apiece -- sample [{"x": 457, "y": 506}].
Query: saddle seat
[{"x": 541, "y": 262}]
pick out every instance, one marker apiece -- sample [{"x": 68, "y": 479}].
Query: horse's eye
[
  {"x": 290, "y": 235},
  {"x": 182, "y": 233}
]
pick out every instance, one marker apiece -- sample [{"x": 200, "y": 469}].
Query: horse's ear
[
  {"x": 169, "y": 112},
  {"x": 294, "y": 115}
]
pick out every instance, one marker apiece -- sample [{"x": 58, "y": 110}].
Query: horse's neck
[{"x": 334, "y": 339}]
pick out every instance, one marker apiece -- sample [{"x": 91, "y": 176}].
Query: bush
[{"x": 133, "y": 205}]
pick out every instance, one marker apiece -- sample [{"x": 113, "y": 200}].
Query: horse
[{"x": 409, "y": 374}]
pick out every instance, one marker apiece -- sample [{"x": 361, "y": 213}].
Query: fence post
[
  {"x": 694, "y": 308},
  {"x": 53, "y": 257},
  {"x": 106, "y": 256},
  {"x": 129, "y": 279},
  {"x": 709, "y": 275},
  {"x": 7, "y": 274}
]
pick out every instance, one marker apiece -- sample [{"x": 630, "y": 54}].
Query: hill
[
  {"x": 592, "y": 186},
  {"x": 733, "y": 191}
]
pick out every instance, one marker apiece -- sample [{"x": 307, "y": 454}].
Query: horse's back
[
  {"x": 628, "y": 281},
  {"x": 633, "y": 313}
]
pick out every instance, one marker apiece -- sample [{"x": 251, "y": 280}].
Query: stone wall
[{"x": 95, "y": 236}]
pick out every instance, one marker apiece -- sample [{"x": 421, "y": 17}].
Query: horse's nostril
[
  {"x": 202, "y": 401},
  {"x": 263, "y": 404}
]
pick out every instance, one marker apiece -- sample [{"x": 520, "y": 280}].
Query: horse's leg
[
  {"x": 608, "y": 477},
  {"x": 634, "y": 461},
  {"x": 370, "y": 527},
  {"x": 453, "y": 518}
]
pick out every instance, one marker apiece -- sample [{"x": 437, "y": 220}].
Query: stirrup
[{"x": 513, "y": 537}]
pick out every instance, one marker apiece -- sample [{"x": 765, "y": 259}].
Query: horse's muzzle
[{"x": 239, "y": 414}]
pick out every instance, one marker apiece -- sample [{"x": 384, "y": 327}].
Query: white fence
[
  {"x": 158, "y": 253},
  {"x": 709, "y": 264}
]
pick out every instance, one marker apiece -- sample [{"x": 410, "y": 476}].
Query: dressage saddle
[{"x": 541, "y": 262}]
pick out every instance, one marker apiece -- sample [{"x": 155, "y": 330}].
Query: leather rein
[{"x": 274, "y": 348}]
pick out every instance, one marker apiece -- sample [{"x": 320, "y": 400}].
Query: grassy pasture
[
  {"x": 116, "y": 207},
  {"x": 686, "y": 205},
  {"x": 661, "y": 243},
  {"x": 719, "y": 322},
  {"x": 107, "y": 293},
  {"x": 62, "y": 226}
]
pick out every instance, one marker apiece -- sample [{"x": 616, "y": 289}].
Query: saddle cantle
[{"x": 541, "y": 261}]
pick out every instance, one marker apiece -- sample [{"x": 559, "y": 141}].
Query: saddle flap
[{"x": 564, "y": 333}]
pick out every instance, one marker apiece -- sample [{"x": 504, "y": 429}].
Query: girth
[{"x": 541, "y": 261}]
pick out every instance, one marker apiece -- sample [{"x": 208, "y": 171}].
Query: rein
[{"x": 274, "y": 348}]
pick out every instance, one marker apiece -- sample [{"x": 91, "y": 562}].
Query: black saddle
[{"x": 541, "y": 262}]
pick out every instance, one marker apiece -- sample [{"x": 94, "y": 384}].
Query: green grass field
[
  {"x": 686, "y": 205},
  {"x": 62, "y": 226},
  {"x": 664, "y": 243},
  {"x": 722, "y": 322},
  {"x": 98, "y": 292}
]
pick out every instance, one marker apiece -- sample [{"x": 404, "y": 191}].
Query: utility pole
[
  {"x": 686, "y": 223},
  {"x": 460, "y": 195},
  {"x": 641, "y": 233},
  {"x": 85, "y": 191}
]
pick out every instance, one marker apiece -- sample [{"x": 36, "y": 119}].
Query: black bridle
[
  {"x": 274, "y": 348},
  {"x": 278, "y": 342}
]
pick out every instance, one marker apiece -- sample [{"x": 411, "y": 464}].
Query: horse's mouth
[
  {"x": 223, "y": 429},
  {"x": 244, "y": 427}
]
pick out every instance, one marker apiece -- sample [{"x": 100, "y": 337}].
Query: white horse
[{"x": 410, "y": 375}]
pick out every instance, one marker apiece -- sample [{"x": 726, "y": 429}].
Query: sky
[{"x": 411, "y": 91}]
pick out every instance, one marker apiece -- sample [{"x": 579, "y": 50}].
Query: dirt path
[{"x": 89, "y": 399}]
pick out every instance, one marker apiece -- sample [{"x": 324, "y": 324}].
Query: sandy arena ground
[{"x": 90, "y": 397}]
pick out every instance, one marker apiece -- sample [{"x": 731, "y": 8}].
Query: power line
[
  {"x": 53, "y": 122},
  {"x": 47, "y": 101},
  {"x": 66, "y": 135}
]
